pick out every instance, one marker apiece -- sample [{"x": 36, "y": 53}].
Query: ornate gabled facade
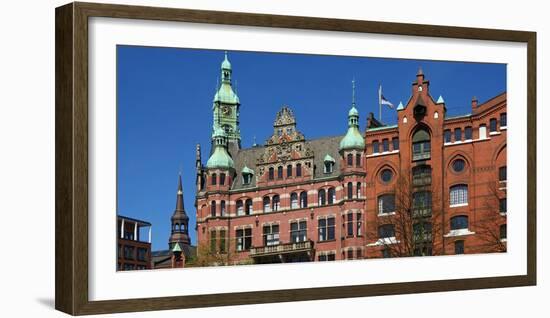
[{"x": 429, "y": 185}]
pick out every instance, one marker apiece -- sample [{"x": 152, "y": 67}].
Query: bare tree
[
  {"x": 415, "y": 222},
  {"x": 490, "y": 225}
]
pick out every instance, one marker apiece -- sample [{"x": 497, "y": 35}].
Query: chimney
[{"x": 474, "y": 102}]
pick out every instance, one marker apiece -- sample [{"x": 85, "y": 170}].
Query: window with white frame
[
  {"x": 294, "y": 200},
  {"x": 459, "y": 195},
  {"x": 326, "y": 228},
  {"x": 271, "y": 234},
  {"x": 298, "y": 231}
]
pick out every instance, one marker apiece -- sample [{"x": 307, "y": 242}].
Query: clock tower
[{"x": 226, "y": 107}]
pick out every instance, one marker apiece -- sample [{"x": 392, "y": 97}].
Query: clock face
[{"x": 226, "y": 110}]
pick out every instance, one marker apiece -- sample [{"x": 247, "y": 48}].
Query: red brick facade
[{"x": 419, "y": 193}]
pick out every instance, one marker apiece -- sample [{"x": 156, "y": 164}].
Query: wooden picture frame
[{"x": 72, "y": 278}]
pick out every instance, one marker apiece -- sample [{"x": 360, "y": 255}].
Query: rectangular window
[
  {"x": 323, "y": 258},
  {"x": 213, "y": 242},
  {"x": 421, "y": 150},
  {"x": 271, "y": 173},
  {"x": 459, "y": 247},
  {"x": 350, "y": 254},
  {"x": 386, "y": 203},
  {"x": 502, "y": 205},
  {"x": 422, "y": 204},
  {"x": 385, "y": 145},
  {"x": 129, "y": 252},
  {"x": 349, "y": 224},
  {"x": 327, "y": 257},
  {"x": 492, "y": 125},
  {"x": 359, "y": 254},
  {"x": 375, "y": 147},
  {"x": 279, "y": 172},
  {"x": 326, "y": 229},
  {"x": 289, "y": 171},
  {"x": 459, "y": 195},
  {"x": 271, "y": 235},
  {"x": 502, "y": 174},
  {"x": 222, "y": 178},
  {"x": 447, "y": 136},
  {"x": 395, "y": 143},
  {"x": 468, "y": 133},
  {"x": 482, "y": 132},
  {"x": 223, "y": 247},
  {"x": 458, "y": 134},
  {"x": 503, "y": 120},
  {"x": 298, "y": 231},
  {"x": 142, "y": 254},
  {"x": 244, "y": 239},
  {"x": 386, "y": 231},
  {"x": 299, "y": 170},
  {"x": 358, "y": 160},
  {"x": 503, "y": 231},
  {"x": 359, "y": 224}
]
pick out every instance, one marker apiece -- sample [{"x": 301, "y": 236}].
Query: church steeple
[
  {"x": 180, "y": 221},
  {"x": 226, "y": 106}
]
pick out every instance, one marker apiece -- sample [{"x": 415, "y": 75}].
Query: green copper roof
[
  {"x": 440, "y": 100},
  {"x": 352, "y": 140},
  {"x": 226, "y": 65},
  {"x": 226, "y": 95},
  {"x": 247, "y": 170},
  {"x": 400, "y": 106},
  {"x": 220, "y": 159},
  {"x": 329, "y": 158}
]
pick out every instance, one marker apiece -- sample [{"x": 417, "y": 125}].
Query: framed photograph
[{"x": 211, "y": 158}]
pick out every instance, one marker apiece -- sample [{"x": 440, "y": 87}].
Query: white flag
[{"x": 382, "y": 100}]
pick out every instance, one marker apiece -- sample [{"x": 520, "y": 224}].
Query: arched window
[
  {"x": 358, "y": 190},
  {"x": 267, "y": 204},
  {"x": 459, "y": 195},
  {"x": 222, "y": 208},
  {"x": 331, "y": 196},
  {"x": 293, "y": 200},
  {"x": 289, "y": 171},
  {"x": 248, "y": 207},
  {"x": 279, "y": 172},
  {"x": 222, "y": 178},
  {"x": 503, "y": 120},
  {"x": 322, "y": 197},
  {"x": 459, "y": 222},
  {"x": 350, "y": 159},
  {"x": 358, "y": 160},
  {"x": 303, "y": 199},
  {"x": 350, "y": 190},
  {"x": 421, "y": 145},
  {"x": 213, "y": 179},
  {"x": 275, "y": 203},
  {"x": 271, "y": 173},
  {"x": 298, "y": 169},
  {"x": 213, "y": 208},
  {"x": 482, "y": 132},
  {"x": 240, "y": 207},
  {"x": 492, "y": 125}
]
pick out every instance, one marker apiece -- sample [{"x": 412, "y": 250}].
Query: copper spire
[{"x": 179, "y": 201}]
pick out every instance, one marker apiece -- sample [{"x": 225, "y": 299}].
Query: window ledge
[
  {"x": 494, "y": 133},
  {"x": 386, "y": 213},
  {"x": 327, "y": 241},
  {"x": 502, "y": 213},
  {"x": 460, "y": 232},
  {"x": 460, "y": 142},
  {"x": 458, "y": 205},
  {"x": 385, "y": 153},
  {"x": 503, "y": 127},
  {"x": 384, "y": 241},
  {"x": 504, "y": 240}
]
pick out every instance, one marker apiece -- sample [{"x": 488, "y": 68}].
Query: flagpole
[{"x": 380, "y": 103}]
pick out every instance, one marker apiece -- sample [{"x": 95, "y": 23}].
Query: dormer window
[
  {"x": 247, "y": 178},
  {"x": 328, "y": 164}
]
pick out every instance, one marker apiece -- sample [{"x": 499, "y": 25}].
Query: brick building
[
  {"x": 134, "y": 250},
  {"x": 430, "y": 185}
]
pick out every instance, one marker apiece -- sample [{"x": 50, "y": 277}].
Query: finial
[
  {"x": 353, "y": 92},
  {"x": 254, "y": 144},
  {"x": 225, "y": 52}
]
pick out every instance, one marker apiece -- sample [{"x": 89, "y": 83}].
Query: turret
[
  {"x": 180, "y": 221},
  {"x": 353, "y": 140}
]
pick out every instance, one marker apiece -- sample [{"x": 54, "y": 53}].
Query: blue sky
[{"x": 165, "y": 109}]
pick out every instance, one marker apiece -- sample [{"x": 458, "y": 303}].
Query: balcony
[
  {"x": 421, "y": 212},
  {"x": 422, "y": 180},
  {"x": 287, "y": 248},
  {"x": 424, "y": 155}
]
